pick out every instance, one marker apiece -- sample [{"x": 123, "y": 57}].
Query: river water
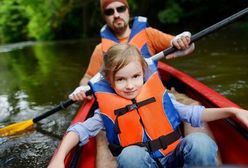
[{"x": 35, "y": 77}]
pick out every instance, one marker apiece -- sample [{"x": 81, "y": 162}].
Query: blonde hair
[{"x": 118, "y": 56}]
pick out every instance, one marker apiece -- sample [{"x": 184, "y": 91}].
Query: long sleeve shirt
[{"x": 91, "y": 127}]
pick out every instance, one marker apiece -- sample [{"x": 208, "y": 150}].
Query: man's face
[{"x": 117, "y": 17}]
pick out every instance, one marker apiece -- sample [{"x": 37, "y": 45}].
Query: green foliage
[
  {"x": 43, "y": 20},
  {"x": 56, "y": 19},
  {"x": 171, "y": 14},
  {"x": 13, "y": 22},
  {"x": 73, "y": 19},
  {"x": 133, "y": 5}
]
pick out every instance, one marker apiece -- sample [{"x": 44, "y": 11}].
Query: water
[
  {"x": 220, "y": 62},
  {"x": 35, "y": 77}
]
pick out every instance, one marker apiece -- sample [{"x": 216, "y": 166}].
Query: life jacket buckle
[
  {"x": 156, "y": 144},
  {"x": 131, "y": 107}
]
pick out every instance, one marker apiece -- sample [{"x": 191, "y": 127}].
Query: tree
[{"x": 13, "y": 22}]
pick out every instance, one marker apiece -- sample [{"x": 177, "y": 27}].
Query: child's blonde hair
[{"x": 118, "y": 56}]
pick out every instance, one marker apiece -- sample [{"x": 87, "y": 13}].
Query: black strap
[
  {"x": 115, "y": 149},
  {"x": 133, "y": 106},
  {"x": 117, "y": 128},
  {"x": 128, "y": 108},
  {"x": 162, "y": 142}
]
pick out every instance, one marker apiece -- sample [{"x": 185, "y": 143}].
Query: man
[{"x": 118, "y": 30}]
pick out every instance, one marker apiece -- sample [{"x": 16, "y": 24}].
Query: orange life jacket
[
  {"x": 137, "y": 36},
  {"x": 147, "y": 118}
]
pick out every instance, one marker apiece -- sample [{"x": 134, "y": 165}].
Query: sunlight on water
[
  {"x": 16, "y": 46},
  {"x": 235, "y": 87},
  {"x": 5, "y": 107},
  {"x": 23, "y": 106}
]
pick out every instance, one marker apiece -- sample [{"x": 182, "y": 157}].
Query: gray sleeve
[
  {"x": 188, "y": 113},
  {"x": 88, "y": 128}
]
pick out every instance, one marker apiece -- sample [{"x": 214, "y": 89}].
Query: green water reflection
[{"x": 37, "y": 76}]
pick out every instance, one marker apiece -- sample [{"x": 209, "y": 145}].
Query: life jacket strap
[
  {"x": 128, "y": 108},
  {"x": 133, "y": 106},
  {"x": 162, "y": 142},
  {"x": 115, "y": 149}
]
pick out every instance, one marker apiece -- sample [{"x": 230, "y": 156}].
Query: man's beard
[{"x": 120, "y": 29}]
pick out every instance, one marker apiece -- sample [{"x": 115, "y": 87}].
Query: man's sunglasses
[{"x": 111, "y": 11}]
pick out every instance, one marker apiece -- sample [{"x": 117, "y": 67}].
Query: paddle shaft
[
  {"x": 200, "y": 34},
  {"x": 157, "y": 57},
  {"x": 61, "y": 106},
  {"x": 203, "y": 33}
]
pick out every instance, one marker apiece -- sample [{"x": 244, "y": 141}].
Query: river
[{"x": 35, "y": 77}]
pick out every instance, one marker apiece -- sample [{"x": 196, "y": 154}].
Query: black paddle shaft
[
  {"x": 158, "y": 56},
  {"x": 62, "y": 105},
  {"x": 204, "y": 32}
]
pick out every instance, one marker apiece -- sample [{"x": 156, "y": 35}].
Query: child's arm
[
  {"x": 81, "y": 131},
  {"x": 70, "y": 140},
  {"x": 211, "y": 114},
  {"x": 196, "y": 114}
]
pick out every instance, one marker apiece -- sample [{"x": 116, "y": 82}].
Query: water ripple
[
  {"x": 16, "y": 46},
  {"x": 233, "y": 88},
  {"x": 4, "y": 107}
]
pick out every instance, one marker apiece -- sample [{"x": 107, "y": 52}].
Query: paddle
[
  {"x": 196, "y": 36},
  {"x": 204, "y": 33},
  {"x": 170, "y": 50},
  {"x": 22, "y": 126}
]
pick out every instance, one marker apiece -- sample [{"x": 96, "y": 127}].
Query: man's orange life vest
[{"x": 137, "y": 37}]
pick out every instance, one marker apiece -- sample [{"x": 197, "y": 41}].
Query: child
[{"x": 141, "y": 119}]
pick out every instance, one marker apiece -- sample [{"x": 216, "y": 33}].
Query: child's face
[{"x": 128, "y": 81}]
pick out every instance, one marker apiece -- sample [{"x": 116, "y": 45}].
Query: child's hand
[
  {"x": 242, "y": 115},
  {"x": 79, "y": 93},
  {"x": 56, "y": 163}
]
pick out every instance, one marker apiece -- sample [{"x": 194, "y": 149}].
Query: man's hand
[{"x": 181, "y": 42}]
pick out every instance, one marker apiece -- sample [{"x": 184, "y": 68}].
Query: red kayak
[{"x": 229, "y": 134}]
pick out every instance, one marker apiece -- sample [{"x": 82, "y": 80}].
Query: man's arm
[
  {"x": 94, "y": 65},
  {"x": 158, "y": 41}
]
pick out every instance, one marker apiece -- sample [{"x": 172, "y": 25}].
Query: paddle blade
[{"x": 16, "y": 128}]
